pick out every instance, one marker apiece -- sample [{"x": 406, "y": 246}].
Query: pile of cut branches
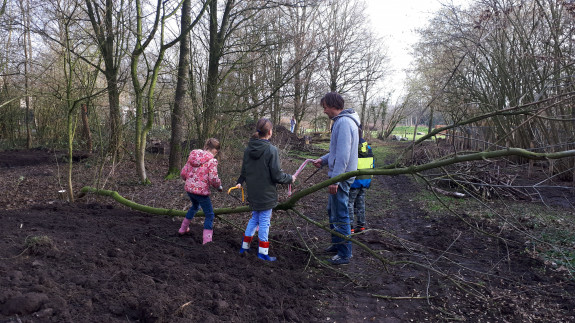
[{"x": 484, "y": 179}]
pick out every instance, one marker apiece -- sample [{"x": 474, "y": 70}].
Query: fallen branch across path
[
  {"x": 153, "y": 210},
  {"x": 290, "y": 203}
]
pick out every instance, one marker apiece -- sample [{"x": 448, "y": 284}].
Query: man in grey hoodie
[{"x": 341, "y": 158}]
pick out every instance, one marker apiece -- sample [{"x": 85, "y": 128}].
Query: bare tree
[
  {"x": 27, "y": 46},
  {"x": 305, "y": 56},
  {"x": 150, "y": 76},
  {"x": 342, "y": 26},
  {"x": 372, "y": 68},
  {"x": 3, "y": 9},
  {"x": 109, "y": 32},
  {"x": 9, "y": 100},
  {"x": 181, "y": 99},
  {"x": 64, "y": 65},
  {"x": 500, "y": 54},
  {"x": 86, "y": 132},
  {"x": 237, "y": 39}
]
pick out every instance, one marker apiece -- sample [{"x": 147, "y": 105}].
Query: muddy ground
[{"x": 96, "y": 260}]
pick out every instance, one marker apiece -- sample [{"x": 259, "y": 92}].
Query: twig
[
  {"x": 181, "y": 308},
  {"x": 447, "y": 193},
  {"x": 401, "y": 297},
  {"x": 18, "y": 255}
]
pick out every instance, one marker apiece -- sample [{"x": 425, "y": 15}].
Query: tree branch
[{"x": 386, "y": 170}]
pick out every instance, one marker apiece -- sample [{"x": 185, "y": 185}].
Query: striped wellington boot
[
  {"x": 263, "y": 251},
  {"x": 246, "y": 244}
]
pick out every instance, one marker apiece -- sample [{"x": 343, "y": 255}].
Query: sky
[{"x": 396, "y": 21}]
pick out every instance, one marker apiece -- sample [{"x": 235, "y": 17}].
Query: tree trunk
[
  {"x": 25, "y": 7},
  {"x": 175, "y": 160},
  {"x": 115, "y": 115},
  {"x": 103, "y": 26},
  {"x": 216, "y": 43},
  {"x": 86, "y": 129}
]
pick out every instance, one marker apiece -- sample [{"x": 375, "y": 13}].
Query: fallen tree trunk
[
  {"x": 153, "y": 210},
  {"x": 386, "y": 170}
]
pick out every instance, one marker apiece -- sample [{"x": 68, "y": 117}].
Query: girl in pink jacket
[{"x": 200, "y": 172}]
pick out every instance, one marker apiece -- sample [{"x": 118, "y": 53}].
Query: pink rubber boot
[
  {"x": 185, "y": 228},
  {"x": 208, "y": 236}
]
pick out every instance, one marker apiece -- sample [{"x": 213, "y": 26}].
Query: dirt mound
[
  {"x": 283, "y": 138},
  {"x": 105, "y": 264},
  {"x": 19, "y": 158}
]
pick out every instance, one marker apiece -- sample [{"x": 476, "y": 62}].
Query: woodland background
[
  {"x": 488, "y": 110},
  {"x": 110, "y": 77}
]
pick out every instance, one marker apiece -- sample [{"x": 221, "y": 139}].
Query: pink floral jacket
[{"x": 200, "y": 172}]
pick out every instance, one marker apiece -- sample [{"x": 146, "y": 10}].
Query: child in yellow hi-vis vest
[{"x": 356, "y": 203}]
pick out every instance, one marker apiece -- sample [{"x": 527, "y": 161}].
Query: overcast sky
[{"x": 396, "y": 21}]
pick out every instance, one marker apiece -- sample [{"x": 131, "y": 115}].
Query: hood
[
  {"x": 199, "y": 157},
  {"x": 348, "y": 113},
  {"x": 257, "y": 147}
]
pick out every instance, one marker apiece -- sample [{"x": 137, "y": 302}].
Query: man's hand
[
  {"x": 317, "y": 163},
  {"x": 333, "y": 189}
]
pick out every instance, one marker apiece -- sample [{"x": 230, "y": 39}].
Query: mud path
[{"x": 97, "y": 261}]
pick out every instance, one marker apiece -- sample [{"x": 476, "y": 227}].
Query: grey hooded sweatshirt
[
  {"x": 342, "y": 156},
  {"x": 261, "y": 171}
]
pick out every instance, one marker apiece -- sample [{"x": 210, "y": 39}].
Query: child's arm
[
  {"x": 185, "y": 171},
  {"x": 277, "y": 175},
  {"x": 213, "y": 178},
  {"x": 242, "y": 177}
]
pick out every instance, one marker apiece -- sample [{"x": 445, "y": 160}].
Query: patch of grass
[
  {"x": 548, "y": 231},
  {"x": 39, "y": 244},
  {"x": 316, "y": 150},
  {"x": 561, "y": 257},
  {"x": 407, "y": 131},
  {"x": 322, "y": 145},
  {"x": 437, "y": 204},
  {"x": 381, "y": 154}
]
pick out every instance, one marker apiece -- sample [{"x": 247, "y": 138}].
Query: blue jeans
[
  {"x": 206, "y": 204},
  {"x": 356, "y": 206},
  {"x": 339, "y": 218},
  {"x": 263, "y": 219}
]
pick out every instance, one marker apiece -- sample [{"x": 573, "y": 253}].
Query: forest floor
[{"x": 96, "y": 260}]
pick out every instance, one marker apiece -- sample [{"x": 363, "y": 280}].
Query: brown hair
[
  {"x": 212, "y": 143},
  {"x": 333, "y": 100},
  {"x": 263, "y": 127}
]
